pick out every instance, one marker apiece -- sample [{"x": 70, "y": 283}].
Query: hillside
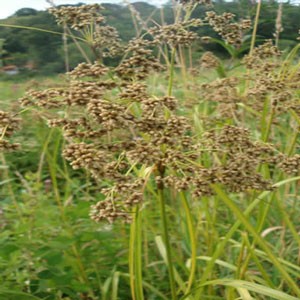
[{"x": 44, "y": 51}]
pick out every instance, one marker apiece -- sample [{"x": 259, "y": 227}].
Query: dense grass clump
[{"x": 159, "y": 178}]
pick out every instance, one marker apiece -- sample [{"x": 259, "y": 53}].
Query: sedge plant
[{"x": 174, "y": 170}]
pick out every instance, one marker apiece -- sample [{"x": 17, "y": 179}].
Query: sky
[{"x": 8, "y": 7}]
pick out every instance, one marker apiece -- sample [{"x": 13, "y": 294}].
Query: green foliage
[
  {"x": 52, "y": 248},
  {"x": 45, "y": 49}
]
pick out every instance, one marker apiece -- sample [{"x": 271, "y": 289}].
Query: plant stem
[
  {"x": 131, "y": 259},
  {"x": 10, "y": 188},
  {"x": 138, "y": 256},
  {"x": 253, "y": 38},
  {"x": 66, "y": 49},
  {"x": 262, "y": 219},
  {"x": 269, "y": 125},
  {"x": 167, "y": 240},
  {"x": 135, "y": 257},
  {"x": 293, "y": 142},
  {"x": 257, "y": 14},
  {"x": 192, "y": 240},
  {"x": 171, "y": 74}
]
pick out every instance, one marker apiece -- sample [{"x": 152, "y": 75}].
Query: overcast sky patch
[{"x": 8, "y": 8}]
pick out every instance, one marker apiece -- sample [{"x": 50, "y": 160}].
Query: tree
[{"x": 23, "y": 12}]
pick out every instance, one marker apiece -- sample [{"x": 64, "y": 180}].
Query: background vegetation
[{"x": 44, "y": 51}]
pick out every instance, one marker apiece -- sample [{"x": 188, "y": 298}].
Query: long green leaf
[
  {"x": 20, "y": 295},
  {"x": 162, "y": 250},
  {"x": 149, "y": 286},
  {"x": 235, "y": 226},
  {"x": 241, "y": 216},
  {"x": 253, "y": 287}
]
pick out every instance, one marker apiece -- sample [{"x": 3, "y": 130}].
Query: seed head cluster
[
  {"x": 267, "y": 80},
  {"x": 110, "y": 209},
  {"x": 135, "y": 128},
  {"x": 48, "y": 98},
  {"x": 89, "y": 70},
  {"x": 260, "y": 54},
  {"x": 106, "y": 41},
  {"x": 226, "y": 93},
  {"x": 291, "y": 165},
  {"x": 176, "y": 34},
  {"x": 114, "y": 128},
  {"x": 78, "y": 17},
  {"x": 231, "y": 32},
  {"x": 8, "y": 125},
  {"x": 209, "y": 61},
  {"x": 139, "y": 61},
  {"x": 106, "y": 134},
  {"x": 88, "y": 18}
]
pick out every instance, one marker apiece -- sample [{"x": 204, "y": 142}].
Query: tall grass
[{"x": 207, "y": 185}]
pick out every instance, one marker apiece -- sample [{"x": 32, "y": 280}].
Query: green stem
[
  {"x": 293, "y": 142},
  {"x": 171, "y": 74},
  {"x": 151, "y": 288},
  {"x": 138, "y": 256},
  {"x": 135, "y": 257},
  {"x": 41, "y": 30},
  {"x": 258, "y": 263},
  {"x": 253, "y": 39},
  {"x": 10, "y": 188},
  {"x": 267, "y": 120},
  {"x": 269, "y": 126},
  {"x": 258, "y": 8},
  {"x": 193, "y": 241},
  {"x": 287, "y": 219},
  {"x": 75, "y": 40},
  {"x": 43, "y": 155},
  {"x": 131, "y": 259},
  {"x": 259, "y": 227},
  {"x": 167, "y": 241}
]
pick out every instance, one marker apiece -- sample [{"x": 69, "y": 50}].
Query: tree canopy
[{"x": 44, "y": 49}]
